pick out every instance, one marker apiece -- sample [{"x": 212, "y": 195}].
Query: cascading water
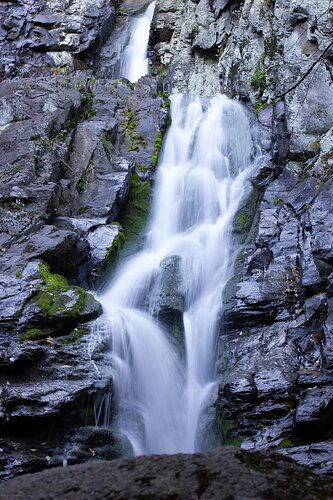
[
  {"x": 134, "y": 61},
  {"x": 160, "y": 396}
]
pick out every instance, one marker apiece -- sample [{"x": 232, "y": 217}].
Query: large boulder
[{"x": 222, "y": 474}]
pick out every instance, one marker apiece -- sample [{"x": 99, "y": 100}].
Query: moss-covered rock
[
  {"x": 105, "y": 243},
  {"x": 136, "y": 211},
  {"x": 245, "y": 215},
  {"x": 56, "y": 307}
]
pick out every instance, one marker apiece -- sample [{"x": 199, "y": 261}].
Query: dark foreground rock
[{"x": 225, "y": 473}]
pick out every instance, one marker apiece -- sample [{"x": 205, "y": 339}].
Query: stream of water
[
  {"x": 134, "y": 61},
  {"x": 161, "y": 396}
]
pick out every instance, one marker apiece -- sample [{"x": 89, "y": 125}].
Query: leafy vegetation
[{"x": 258, "y": 80}]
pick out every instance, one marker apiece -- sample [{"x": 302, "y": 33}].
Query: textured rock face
[
  {"x": 275, "y": 352},
  {"x": 54, "y": 36},
  {"x": 223, "y": 474},
  {"x": 70, "y": 147}
]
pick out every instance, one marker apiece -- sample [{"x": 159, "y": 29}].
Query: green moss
[
  {"x": 87, "y": 176},
  {"x": 166, "y": 99},
  {"x": 136, "y": 211},
  {"x": 278, "y": 201},
  {"x": 243, "y": 222},
  {"x": 136, "y": 140},
  {"x": 18, "y": 274},
  {"x": 63, "y": 70},
  {"x": 285, "y": 443},
  {"x": 176, "y": 333},
  {"x": 77, "y": 334},
  {"x": 115, "y": 248},
  {"x": 52, "y": 281},
  {"x": 55, "y": 302},
  {"x": 233, "y": 72},
  {"x": 259, "y": 106},
  {"x": 158, "y": 146},
  {"x": 226, "y": 430},
  {"x": 52, "y": 300},
  {"x": 32, "y": 334},
  {"x": 108, "y": 146},
  {"x": 258, "y": 80}
]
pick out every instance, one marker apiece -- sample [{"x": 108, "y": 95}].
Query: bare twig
[{"x": 279, "y": 96}]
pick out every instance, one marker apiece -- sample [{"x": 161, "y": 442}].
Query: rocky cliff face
[
  {"x": 77, "y": 155},
  {"x": 275, "y": 355},
  {"x": 78, "y": 149}
]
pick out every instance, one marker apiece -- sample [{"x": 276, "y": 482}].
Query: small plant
[
  {"x": 258, "y": 80},
  {"x": 259, "y": 106}
]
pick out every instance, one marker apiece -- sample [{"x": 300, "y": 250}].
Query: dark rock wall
[{"x": 72, "y": 147}]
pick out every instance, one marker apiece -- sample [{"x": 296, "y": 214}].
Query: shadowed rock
[{"x": 223, "y": 474}]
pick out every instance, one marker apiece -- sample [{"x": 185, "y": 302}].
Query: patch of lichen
[{"x": 135, "y": 214}]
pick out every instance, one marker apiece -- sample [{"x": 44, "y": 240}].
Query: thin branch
[{"x": 279, "y": 96}]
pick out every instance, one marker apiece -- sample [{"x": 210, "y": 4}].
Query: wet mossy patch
[
  {"x": 53, "y": 281},
  {"x": 158, "y": 146},
  {"x": 136, "y": 140},
  {"x": 135, "y": 214}
]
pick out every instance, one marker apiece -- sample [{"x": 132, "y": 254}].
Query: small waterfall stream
[
  {"x": 160, "y": 396},
  {"x": 134, "y": 61}
]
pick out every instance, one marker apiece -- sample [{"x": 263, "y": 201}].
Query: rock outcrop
[
  {"x": 222, "y": 474},
  {"x": 76, "y": 153}
]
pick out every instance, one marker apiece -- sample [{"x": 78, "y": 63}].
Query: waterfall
[
  {"x": 161, "y": 396},
  {"x": 134, "y": 61}
]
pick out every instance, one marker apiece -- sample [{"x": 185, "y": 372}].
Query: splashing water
[
  {"x": 134, "y": 62},
  {"x": 160, "y": 396}
]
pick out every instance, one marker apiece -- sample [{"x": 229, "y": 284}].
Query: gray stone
[{"x": 177, "y": 476}]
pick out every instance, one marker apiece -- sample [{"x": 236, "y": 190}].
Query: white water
[
  {"x": 160, "y": 397},
  {"x": 134, "y": 61}
]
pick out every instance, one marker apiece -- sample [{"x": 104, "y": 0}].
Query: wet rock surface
[
  {"x": 70, "y": 145},
  {"x": 275, "y": 347},
  {"x": 52, "y": 37},
  {"x": 219, "y": 474}
]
